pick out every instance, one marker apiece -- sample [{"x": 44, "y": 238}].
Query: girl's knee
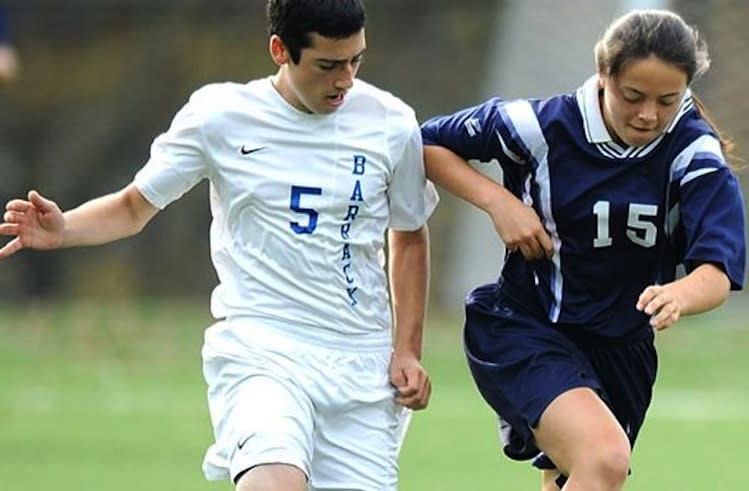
[{"x": 610, "y": 462}]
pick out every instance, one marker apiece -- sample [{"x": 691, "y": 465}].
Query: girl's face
[{"x": 639, "y": 103}]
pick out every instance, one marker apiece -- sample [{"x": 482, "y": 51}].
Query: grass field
[{"x": 111, "y": 397}]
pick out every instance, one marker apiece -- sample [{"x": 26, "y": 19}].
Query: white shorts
[{"x": 330, "y": 413}]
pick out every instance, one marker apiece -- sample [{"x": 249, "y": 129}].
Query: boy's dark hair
[{"x": 294, "y": 20}]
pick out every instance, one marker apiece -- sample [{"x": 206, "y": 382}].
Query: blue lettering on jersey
[
  {"x": 359, "y": 161},
  {"x": 296, "y": 195},
  {"x": 357, "y": 195},
  {"x": 352, "y": 212},
  {"x": 345, "y": 229},
  {"x": 351, "y": 292},
  {"x": 346, "y": 272}
]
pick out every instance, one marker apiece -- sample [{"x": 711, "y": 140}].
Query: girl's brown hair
[{"x": 663, "y": 34}]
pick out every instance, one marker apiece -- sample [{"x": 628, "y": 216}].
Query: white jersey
[{"x": 300, "y": 203}]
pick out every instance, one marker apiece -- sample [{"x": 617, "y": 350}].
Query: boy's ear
[{"x": 278, "y": 52}]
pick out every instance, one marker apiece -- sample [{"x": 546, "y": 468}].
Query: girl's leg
[{"x": 578, "y": 432}]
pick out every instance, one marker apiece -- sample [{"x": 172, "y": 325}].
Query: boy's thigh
[
  {"x": 358, "y": 447},
  {"x": 332, "y": 414},
  {"x": 260, "y": 416}
]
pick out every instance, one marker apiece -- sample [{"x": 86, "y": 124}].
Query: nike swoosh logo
[
  {"x": 243, "y": 442},
  {"x": 247, "y": 151}
]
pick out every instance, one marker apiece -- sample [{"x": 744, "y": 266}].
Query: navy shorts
[{"x": 521, "y": 362}]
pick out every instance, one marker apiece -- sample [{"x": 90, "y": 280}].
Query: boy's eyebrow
[{"x": 341, "y": 60}]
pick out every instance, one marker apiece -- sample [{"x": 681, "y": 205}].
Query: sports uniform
[
  {"x": 300, "y": 203},
  {"x": 620, "y": 218}
]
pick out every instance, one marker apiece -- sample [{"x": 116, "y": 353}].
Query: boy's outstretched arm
[{"x": 38, "y": 223}]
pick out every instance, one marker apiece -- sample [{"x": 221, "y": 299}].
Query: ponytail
[{"x": 726, "y": 144}]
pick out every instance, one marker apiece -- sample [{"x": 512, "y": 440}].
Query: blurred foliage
[{"x": 100, "y": 79}]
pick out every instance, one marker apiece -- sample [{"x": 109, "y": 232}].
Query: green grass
[{"x": 111, "y": 396}]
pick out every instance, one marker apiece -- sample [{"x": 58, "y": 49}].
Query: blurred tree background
[{"x": 101, "y": 78}]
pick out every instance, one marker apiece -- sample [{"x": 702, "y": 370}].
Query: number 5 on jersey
[{"x": 297, "y": 192}]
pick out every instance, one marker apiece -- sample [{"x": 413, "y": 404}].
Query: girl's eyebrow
[{"x": 638, "y": 92}]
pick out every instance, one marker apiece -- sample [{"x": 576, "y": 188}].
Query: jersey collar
[
  {"x": 595, "y": 129},
  {"x": 590, "y": 110}
]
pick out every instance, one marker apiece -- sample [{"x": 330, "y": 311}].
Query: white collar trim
[{"x": 590, "y": 110}]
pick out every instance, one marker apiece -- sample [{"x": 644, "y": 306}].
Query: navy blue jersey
[{"x": 621, "y": 218}]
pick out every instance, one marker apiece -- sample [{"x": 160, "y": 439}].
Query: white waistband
[{"x": 246, "y": 329}]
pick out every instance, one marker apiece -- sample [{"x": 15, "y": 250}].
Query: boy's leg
[
  {"x": 262, "y": 416},
  {"x": 360, "y": 431},
  {"x": 272, "y": 477}
]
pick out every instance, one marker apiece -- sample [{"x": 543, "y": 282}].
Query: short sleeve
[
  {"x": 412, "y": 198},
  {"x": 177, "y": 161},
  {"x": 712, "y": 213},
  {"x": 475, "y": 133}
]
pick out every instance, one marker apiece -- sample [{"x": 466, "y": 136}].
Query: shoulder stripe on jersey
[
  {"x": 506, "y": 150},
  {"x": 705, "y": 148},
  {"x": 525, "y": 128},
  {"x": 708, "y": 149},
  {"x": 510, "y": 135},
  {"x": 690, "y": 176},
  {"x": 528, "y": 130}
]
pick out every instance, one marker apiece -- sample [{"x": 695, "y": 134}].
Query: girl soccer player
[{"x": 629, "y": 178}]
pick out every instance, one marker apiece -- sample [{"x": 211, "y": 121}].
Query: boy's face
[{"x": 325, "y": 72}]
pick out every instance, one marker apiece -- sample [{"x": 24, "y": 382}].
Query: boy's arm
[
  {"x": 38, "y": 223},
  {"x": 409, "y": 278}
]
